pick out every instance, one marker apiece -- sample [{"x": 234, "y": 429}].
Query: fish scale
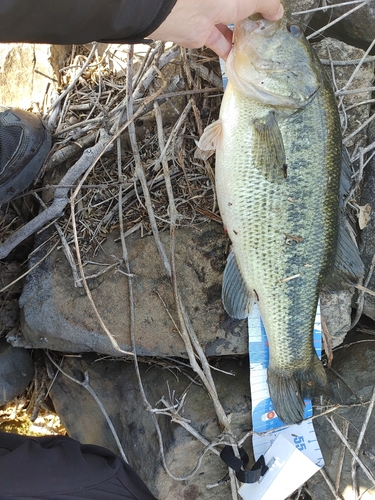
[
  {"x": 278, "y": 161},
  {"x": 265, "y": 213}
]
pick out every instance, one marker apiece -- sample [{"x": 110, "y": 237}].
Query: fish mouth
[
  {"x": 292, "y": 70},
  {"x": 258, "y": 25},
  {"x": 255, "y": 90},
  {"x": 275, "y": 99}
]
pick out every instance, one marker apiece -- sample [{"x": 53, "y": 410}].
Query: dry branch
[
  {"x": 86, "y": 385},
  {"x": 61, "y": 199}
]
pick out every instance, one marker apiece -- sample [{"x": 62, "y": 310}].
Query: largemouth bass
[{"x": 278, "y": 159}]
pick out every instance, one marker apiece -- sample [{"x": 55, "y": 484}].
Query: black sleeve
[
  {"x": 51, "y": 467},
  {"x": 80, "y": 21}
]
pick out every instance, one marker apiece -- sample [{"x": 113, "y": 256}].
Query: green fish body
[{"x": 278, "y": 160}]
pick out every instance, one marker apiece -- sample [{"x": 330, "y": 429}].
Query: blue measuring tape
[{"x": 264, "y": 418}]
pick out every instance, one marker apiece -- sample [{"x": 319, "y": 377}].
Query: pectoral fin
[
  {"x": 236, "y": 297},
  {"x": 209, "y": 140},
  {"x": 269, "y": 152}
]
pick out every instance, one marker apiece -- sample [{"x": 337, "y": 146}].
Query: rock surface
[
  {"x": 16, "y": 371},
  {"x": 116, "y": 386},
  {"x": 27, "y": 71},
  {"x": 9, "y": 307},
  {"x": 359, "y": 25},
  {"x": 355, "y": 108},
  {"x": 58, "y": 316},
  {"x": 368, "y": 233},
  {"x": 352, "y": 383},
  {"x": 296, "y": 6},
  {"x": 337, "y": 311}
]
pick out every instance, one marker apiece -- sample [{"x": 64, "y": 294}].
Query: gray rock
[
  {"x": 368, "y": 233},
  {"x": 295, "y": 6},
  {"x": 58, "y": 316},
  {"x": 352, "y": 383},
  {"x": 359, "y": 25},
  {"x": 331, "y": 49},
  {"x": 116, "y": 386},
  {"x": 9, "y": 308},
  {"x": 27, "y": 71},
  {"x": 336, "y": 309},
  {"x": 16, "y": 371}
]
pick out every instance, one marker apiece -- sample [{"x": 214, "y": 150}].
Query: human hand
[{"x": 194, "y": 23}]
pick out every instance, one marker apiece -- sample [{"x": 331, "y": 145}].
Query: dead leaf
[
  {"x": 364, "y": 215},
  {"x": 201, "y": 154},
  {"x": 327, "y": 341}
]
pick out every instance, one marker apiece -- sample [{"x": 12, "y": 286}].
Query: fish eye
[{"x": 294, "y": 30}]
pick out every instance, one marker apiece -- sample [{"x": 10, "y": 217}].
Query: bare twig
[
  {"x": 76, "y": 77},
  {"x": 65, "y": 245},
  {"x": 329, "y": 484},
  {"x": 360, "y": 438},
  {"x": 86, "y": 385},
  {"x": 138, "y": 164},
  {"x": 326, "y": 6},
  {"x": 30, "y": 269},
  {"x": 345, "y": 430},
  {"x": 350, "y": 449},
  {"x": 335, "y": 21}
]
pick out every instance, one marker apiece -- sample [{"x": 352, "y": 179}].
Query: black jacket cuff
[{"x": 81, "y": 21}]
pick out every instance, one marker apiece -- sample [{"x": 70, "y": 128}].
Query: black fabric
[
  {"x": 235, "y": 463},
  {"x": 238, "y": 464},
  {"x": 60, "y": 468},
  {"x": 81, "y": 21}
]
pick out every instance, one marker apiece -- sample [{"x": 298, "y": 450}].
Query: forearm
[{"x": 80, "y": 21}]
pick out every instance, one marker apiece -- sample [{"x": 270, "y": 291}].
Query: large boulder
[
  {"x": 27, "y": 71},
  {"x": 168, "y": 386},
  {"x": 352, "y": 381},
  {"x": 58, "y": 316},
  {"x": 368, "y": 233},
  {"x": 16, "y": 371},
  {"x": 359, "y": 25}
]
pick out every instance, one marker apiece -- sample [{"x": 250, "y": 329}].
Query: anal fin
[{"x": 236, "y": 296}]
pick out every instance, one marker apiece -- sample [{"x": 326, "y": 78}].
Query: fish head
[{"x": 273, "y": 63}]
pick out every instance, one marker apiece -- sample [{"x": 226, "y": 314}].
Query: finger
[
  {"x": 218, "y": 42},
  {"x": 273, "y": 15},
  {"x": 227, "y": 32}
]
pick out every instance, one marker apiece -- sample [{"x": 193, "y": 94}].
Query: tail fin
[{"x": 288, "y": 391}]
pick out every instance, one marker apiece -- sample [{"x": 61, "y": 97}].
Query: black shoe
[{"x": 24, "y": 145}]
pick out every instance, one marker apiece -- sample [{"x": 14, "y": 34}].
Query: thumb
[{"x": 273, "y": 16}]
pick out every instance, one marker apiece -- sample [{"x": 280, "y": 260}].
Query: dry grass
[{"x": 141, "y": 114}]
